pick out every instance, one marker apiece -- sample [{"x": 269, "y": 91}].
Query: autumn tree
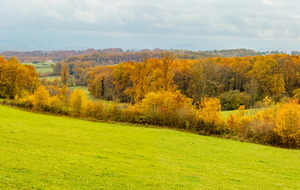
[
  {"x": 121, "y": 81},
  {"x": 205, "y": 81},
  {"x": 141, "y": 77},
  {"x": 65, "y": 74},
  {"x": 78, "y": 102},
  {"x": 239, "y": 66},
  {"x": 183, "y": 76},
  {"x": 266, "y": 72},
  {"x": 165, "y": 71},
  {"x": 16, "y": 80},
  {"x": 101, "y": 82}
]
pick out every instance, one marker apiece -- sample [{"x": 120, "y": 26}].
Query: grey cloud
[{"x": 231, "y": 20}]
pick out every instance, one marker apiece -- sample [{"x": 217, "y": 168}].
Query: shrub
[
  {"x": 167, "y": 108},
  {"x": 78, "y": 102},
  {"x": 41, "y": 99},
  {"x": 234, "y": 99},
  {"x": 95, "y": 110},
  {"x": 210, "y": 114},
  {"x": 133, "y": 114},
  {"x": 288, "y": 124}
]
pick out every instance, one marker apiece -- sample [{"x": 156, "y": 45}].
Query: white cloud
[
  {"x": 86, "y": 16},
  {"x": 268, "y": 2},
  {"x": 55, "y": 15}
]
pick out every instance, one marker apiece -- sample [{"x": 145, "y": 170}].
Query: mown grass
[{"x": 48, "y": 152}]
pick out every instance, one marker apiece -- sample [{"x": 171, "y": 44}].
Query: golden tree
[
  {"x": 78, "y": 102},
  {"x": 288, "y": 124}
]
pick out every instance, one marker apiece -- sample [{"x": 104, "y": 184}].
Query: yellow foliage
[
  {"x": 210, "y": 112},
  {"x": 41, "y": 99},
  {"x": 165, "y": 100},
  {"x": 288, "y": 124},
  {"x": 237, "y": 122},
  {"x": 78, "y": 102},
  {"x": 167, "y": 108},
  {"x": 16, "y": 79}
]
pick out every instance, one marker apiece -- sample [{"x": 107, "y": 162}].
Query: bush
[
  {"x": 168, "y": 108},
  {"x": 210, "y": 114},
  {"x": 78, "y": 102},
  {"x": 233, "y": 99},
  {"x": 288, "y": 124}
]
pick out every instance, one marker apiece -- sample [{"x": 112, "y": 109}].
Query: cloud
[
  {"x": 54, "y": 15},
  {"x": 256, "y": 19},
  {"x": 268, "y": 2},
  {"x": 86, "y": 16}
]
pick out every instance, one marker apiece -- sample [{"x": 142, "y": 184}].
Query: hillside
[{"x": 47, "y": 152}]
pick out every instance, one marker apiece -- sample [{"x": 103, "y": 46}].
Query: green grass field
[
  {"x": 226, "y": 114},
  {"x": 48, "y": 152},
  {"x": 42, "y": 67},
  {"x": 51, "y": 78},
  {"x": 88, "y": 95}
]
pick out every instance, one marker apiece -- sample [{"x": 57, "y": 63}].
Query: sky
[{"x": 260, "y": 25}]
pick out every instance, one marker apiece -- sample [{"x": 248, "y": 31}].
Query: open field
[
  {"x": 41, "y": 67},
  {"x": 47, "y": 152},
  {"x": 51, "y": 78},
  {"x": 88, "y": 95}
]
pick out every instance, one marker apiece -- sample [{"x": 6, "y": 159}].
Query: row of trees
[
  {"x": 43, "y": 56},
  {"x": 236, "y": 81}
]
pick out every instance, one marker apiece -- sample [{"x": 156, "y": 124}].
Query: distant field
[
  {"x": 86, "y": 92},
  {"x": 42, "y": 67},
  {"x": 226, "y": 114},
  {"x": 51, "y": 78},
  {"x": 47, "y": 152},
  {"x": 43, "y": 70}
]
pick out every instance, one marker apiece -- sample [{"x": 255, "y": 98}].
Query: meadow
[
  {"x": 226, "y": 114},
  {"x": 42, "y": 67},
  {"x": 49, "y": 152}
]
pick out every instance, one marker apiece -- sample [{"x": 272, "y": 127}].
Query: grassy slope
[{"x": 46, "y": 152}]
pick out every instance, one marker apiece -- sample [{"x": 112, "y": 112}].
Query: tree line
[
  {"x": 235, "y": 81},
  {"x": 103, "y": 56}
]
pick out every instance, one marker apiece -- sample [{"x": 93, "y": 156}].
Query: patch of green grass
[
  {"x": 88, "y": 95},
  {"x": 47, "y": 152},
  {"x": 83, "y": 88},
  {"x": 42, "y": 67},
  {"x": 51, "y": 78},
  {"x": 226, "y": 114},
  {"x": 40, "y": 64}
]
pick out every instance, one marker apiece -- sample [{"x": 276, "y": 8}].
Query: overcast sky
[{"x": 193, "y": 24}]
